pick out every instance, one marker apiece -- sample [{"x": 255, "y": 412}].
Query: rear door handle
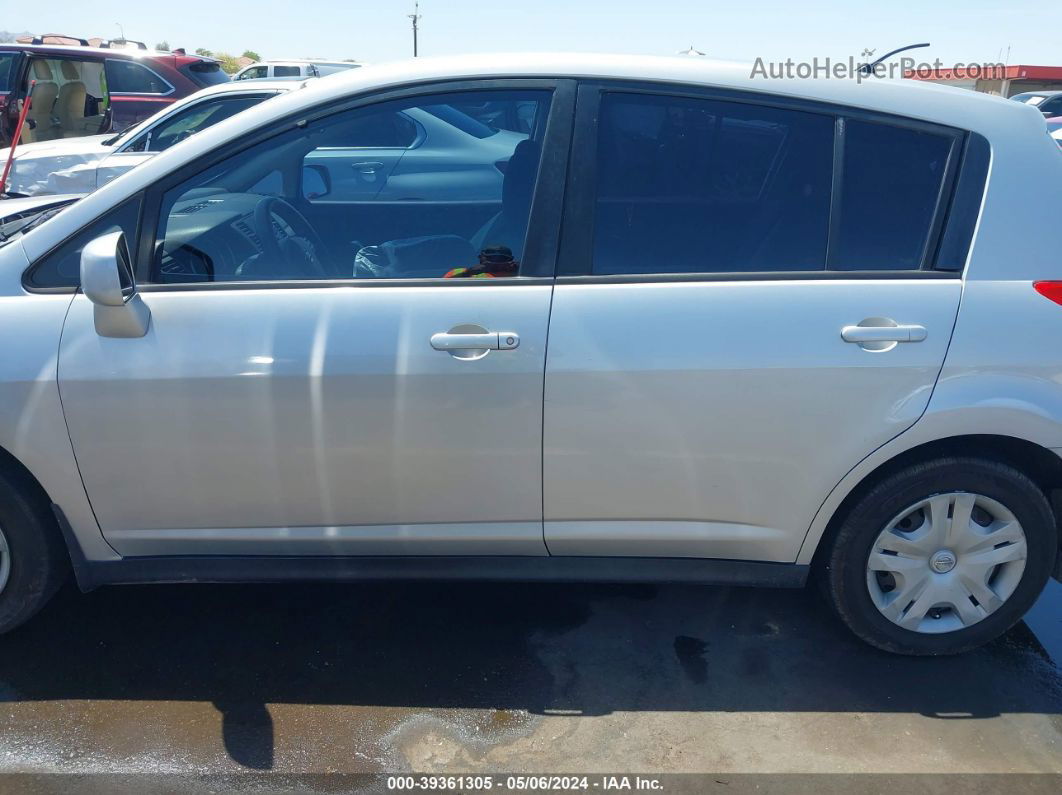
[
  {"x": 860, "y": 334},
  {"x": 489, "y": 341}
]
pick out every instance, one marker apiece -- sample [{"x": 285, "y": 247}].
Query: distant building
[{"x": 1005, "y": 81}]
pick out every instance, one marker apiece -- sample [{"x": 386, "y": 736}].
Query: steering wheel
[{"x": 283, "y": 256}]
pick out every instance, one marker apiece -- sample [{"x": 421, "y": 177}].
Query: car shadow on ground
[{"x": 544, "y": 648}]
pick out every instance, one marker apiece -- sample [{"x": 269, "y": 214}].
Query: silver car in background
[{"x": 685, "y": 325}]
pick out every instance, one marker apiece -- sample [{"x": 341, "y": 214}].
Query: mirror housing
[{"x": 107, "y": 281}]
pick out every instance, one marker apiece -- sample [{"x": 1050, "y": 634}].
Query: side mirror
[{"x": 107, "y": 281}]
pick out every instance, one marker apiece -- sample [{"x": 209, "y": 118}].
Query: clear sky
[{"x": 378, "y": 30}]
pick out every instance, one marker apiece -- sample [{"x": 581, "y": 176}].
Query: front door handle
[
  {"x": 488, "y": 341},
  {"x": 863, "y": 334},
  {"x": 367, "y": 167}
]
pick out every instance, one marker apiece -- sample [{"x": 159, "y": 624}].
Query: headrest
[
  {"x": 69, "y": 71},
  {"x": 41, "y": 70},
  {"x": 520, "y": 176}
]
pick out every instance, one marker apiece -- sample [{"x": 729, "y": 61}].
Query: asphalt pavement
[{"x": 292, "y": 679}]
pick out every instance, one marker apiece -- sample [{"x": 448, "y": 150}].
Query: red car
[{"x": 86, "y": 90}]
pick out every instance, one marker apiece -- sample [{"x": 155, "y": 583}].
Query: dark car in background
[
  {"x": 1048, "y": 103},
  {"x": 86, "y": 90}
]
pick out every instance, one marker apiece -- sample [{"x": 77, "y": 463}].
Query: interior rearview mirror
[{"x": 107, "y": 281}]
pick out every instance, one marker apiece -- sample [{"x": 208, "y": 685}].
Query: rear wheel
[
  {"x": 33, "y": 560},
  {"x": 941, "y": 557}
]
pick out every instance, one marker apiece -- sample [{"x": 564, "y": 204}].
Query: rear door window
[
  {"x": 689, "y": 185},
  {"x": 130, "y": 77},
  {"x": 286, "y": 71},
  {"x": 697, "y": 185}
]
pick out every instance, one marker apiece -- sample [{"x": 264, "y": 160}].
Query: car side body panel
[
  {"x": 32, "y": 428},
  {"x": 708, "y": 419},
  {"x": 312, "y": 421}
]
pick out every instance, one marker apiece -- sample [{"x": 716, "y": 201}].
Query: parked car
[
  {"x": 1048, "y": 103},
  {"x": 91, "y": 90},
  {"x": 1054, "y": 129},
  {"x": 758, "y": 370},
  {"x": 292, "y": 69},
  {"x": 413, "y": 136},
  {"x": 83, "y": 164}
]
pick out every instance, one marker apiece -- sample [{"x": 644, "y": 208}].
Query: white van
[{"x": 292, "y": 69}]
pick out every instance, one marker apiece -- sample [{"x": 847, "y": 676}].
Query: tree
[
  {"x": 229, "y": 64},
  {"x": 204, "y": 53},
  {"x": 163, "y": 46},
  {"x": 252, "y": 55}
]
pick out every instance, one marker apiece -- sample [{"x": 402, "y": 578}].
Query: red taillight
[{"x": 1050, "y": 290}]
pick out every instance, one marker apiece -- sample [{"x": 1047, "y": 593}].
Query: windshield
[{"x": 1029, "y": 99}]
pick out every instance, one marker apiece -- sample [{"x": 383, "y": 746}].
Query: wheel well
[
  {"x": 1041, "y": 465},
  {"x": 16, "y": 472}
]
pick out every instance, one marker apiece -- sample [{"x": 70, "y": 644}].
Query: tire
[
  {"x": 33, "y": 558},
  {"x": 860, "y": 594}
]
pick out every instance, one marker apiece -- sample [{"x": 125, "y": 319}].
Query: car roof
[
  {"x": 109, "y": 52},
  {"x": 274, "y": 61},
  {"x": 912, "y": 98},
  {"x": 264, "y": 84}
]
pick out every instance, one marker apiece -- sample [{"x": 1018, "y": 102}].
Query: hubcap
[
  {"x": 946, "y": 563},
  {"x": 943, "y": 561},
  {"x": 5, "y": 561}
]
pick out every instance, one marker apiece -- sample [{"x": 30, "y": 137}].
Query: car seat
[
  {"x": 509, "y": 227},
  {"x": 44, "y": 95},
  {"x": 438, "y": 255},
  {"x": 70, "y": 106}
]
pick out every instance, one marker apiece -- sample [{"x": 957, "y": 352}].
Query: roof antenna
[{"x": 868, "y": 68}]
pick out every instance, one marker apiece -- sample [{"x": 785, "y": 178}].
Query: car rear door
[{"x": 744, "y": 309}]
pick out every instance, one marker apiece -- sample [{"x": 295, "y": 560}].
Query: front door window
[{"x": 404, "y": 189}]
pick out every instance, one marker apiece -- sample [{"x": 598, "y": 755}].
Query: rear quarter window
[{"x": 891, "y": 184}]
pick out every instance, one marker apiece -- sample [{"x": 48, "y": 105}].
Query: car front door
[
  {"x": 744, "y": 310},
  {"x": 283, "y": 401}
]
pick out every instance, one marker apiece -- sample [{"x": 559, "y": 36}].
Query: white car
[
  {"x": 80, "y": 165},
  {"x": 292, "y": 69},
  {"x": 694, "y": 326}
]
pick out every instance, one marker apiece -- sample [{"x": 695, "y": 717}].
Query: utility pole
[{"x": 415, "y": 16}]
